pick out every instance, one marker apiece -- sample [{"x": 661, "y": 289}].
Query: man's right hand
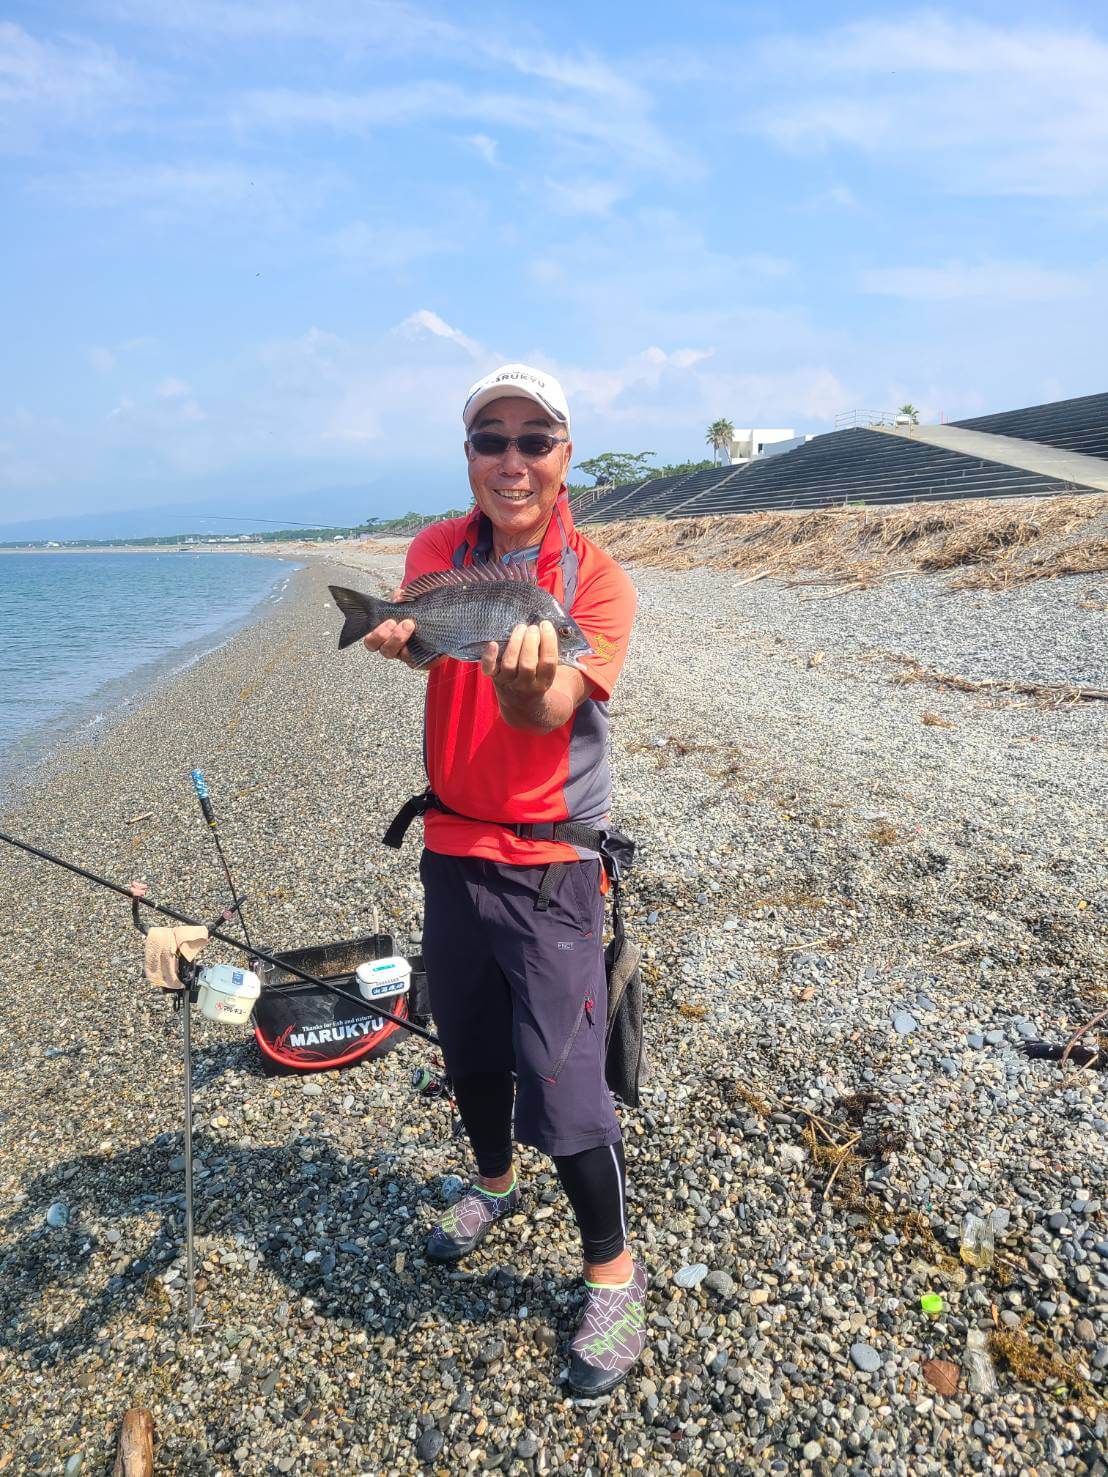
[{"x": 390, "y": 638}]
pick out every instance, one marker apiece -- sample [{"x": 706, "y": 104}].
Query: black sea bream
[{"x": 457, "y": 612}]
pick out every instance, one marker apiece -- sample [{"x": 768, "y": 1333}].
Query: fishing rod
[
  {"x": 216, "y": 933},
  {"x": 199, "y": 784}
]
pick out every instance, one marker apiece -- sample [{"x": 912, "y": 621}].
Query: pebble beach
[{"x": 858, "y": 898}]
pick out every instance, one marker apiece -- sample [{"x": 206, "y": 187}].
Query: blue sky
[{"x": 253, "y": 249}]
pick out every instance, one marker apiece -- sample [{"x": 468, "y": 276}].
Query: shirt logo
[
  {"x": 603, "y": 647},
  {"x": 565, "y": 946}
]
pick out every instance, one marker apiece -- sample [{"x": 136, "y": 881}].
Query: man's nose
[{"x": 511, "y": 462}]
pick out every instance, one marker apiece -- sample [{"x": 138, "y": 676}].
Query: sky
[{"x": 254, "y": 248}]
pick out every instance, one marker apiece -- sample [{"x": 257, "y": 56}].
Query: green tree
[
  {"x": 910, "y": 411},
  {"x": 719, "y": 436},
  {"x": 612, "y": 467}
]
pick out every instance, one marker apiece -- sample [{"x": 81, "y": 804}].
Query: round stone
[
  {"x": 866, "y": 1358},
  {"x": 57, "y": 1217},
  {"x": 429, "y": 1444}
]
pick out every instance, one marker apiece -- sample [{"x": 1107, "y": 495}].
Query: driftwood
[
  {"x": 1055, "y": 692},
  {"x": 135, "y": 1457}
]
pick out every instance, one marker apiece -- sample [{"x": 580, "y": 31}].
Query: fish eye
[{"x": 565, "y": 630}]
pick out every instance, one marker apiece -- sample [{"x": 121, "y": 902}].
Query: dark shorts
[{"x": 521, "y": 990}]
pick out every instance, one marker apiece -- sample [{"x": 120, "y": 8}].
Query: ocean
[{"x": 83, "y": 636}]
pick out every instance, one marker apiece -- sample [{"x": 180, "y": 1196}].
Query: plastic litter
[
  {"x": 978, "y": 1364},
  {"x": 932, "y": 1304},
  {"x": 978, "y": 1247}
]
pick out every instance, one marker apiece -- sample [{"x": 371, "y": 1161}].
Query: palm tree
[
  {"x": 911, "y": 412},
  {"x": 719, "y": 436}
]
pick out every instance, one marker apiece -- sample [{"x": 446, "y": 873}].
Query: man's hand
[
  {"x": 390, "y": 638},
  {"x": 533, "y": 691}
]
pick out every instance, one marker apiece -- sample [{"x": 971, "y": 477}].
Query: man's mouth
[{"x": 513, "y": 496}]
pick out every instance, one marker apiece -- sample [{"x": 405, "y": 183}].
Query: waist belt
[{"x": 616, "y": 850}]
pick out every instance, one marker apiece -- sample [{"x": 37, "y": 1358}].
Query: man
[{"x": 513, "y": 921}]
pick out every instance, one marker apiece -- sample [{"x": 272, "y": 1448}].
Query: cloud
[
  {"x": 484, "y": 146},
  {"x": 423, "y": 321},
  {"x": 45, "y": 84},
  {"x": 955, "y": 281},
  {"x": 386, "y": 247},
  {"x": 581, "y": 196},
  {"x": 172, "y": 389},
  {"x": 560, "y": 120},
  {"x": 972, "y": 106},
  {"x": 194, "y": 190},
  {"x": 105, "y": 359},
  {"x": 835, "y": 197}
]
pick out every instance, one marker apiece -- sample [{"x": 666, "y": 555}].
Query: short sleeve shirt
[{"x": 493, "y": 775}]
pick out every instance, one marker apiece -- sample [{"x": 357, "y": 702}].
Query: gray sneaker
[
  {"x": 468, "y": 1221},
  {"x": 611, "y": 1336}
]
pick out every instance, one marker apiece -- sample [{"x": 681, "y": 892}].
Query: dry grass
[
  {"x": 1000, "y": 543},
  {"x": 1043, "y": 1367}
]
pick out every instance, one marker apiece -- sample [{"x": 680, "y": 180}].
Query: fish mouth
[{"x": 575, "y": 659}]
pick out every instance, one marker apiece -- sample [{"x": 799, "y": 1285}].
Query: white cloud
[
  {"x": 621, "y": 132},
  {"x": 973, "y": 106},
  {"x": 172, "y": 389},
  {"x": 46, "y": 84},
  {"x": 194, "y": 190},
  {"x": 486, "y": 147},
  {"x": 386, "y": 247},
  {"x": 835, "y": 197},
  {"x": 955, "y": 281},
  {"x": 581, "y": 196},
  {"x": 424, "y": 321}
]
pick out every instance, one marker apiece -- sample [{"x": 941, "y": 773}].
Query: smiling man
[{"x": 516, "y": 750}]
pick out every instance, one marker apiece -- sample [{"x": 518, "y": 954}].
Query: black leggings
[{"x": 595, "y": 1180}]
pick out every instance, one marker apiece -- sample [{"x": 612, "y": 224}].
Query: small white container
[
  {"x": 379, "y": 978},
  {"x": 228, "y": 995}
]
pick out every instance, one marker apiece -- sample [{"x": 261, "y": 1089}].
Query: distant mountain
[{"x": 325, "y": 506}]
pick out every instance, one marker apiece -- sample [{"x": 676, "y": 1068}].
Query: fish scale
[{"x": 457, "y": 612}]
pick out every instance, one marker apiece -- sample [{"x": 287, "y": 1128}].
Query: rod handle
[{"x": 200, "y": 785}]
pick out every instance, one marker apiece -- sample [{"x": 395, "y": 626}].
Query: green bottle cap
[{"x": 932, "y": 1303}]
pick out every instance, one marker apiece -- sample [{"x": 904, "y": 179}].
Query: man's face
[{"x": 518, "y": 493}]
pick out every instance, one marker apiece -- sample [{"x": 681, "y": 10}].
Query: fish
[{"x": 457, "y": 612}]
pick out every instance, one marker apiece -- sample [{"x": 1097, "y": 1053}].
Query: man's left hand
[{"x": 526, "y": 668}]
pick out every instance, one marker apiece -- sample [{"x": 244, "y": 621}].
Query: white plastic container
[
  {"x": 227, "y": 995},
  {"x": 379, "y": 978}
]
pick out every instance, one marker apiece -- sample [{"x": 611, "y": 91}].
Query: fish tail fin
[{"x": 362, "y": 613}]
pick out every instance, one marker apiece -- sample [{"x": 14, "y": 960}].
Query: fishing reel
[
  {"x": 426, "y": 1083},
  {"x": 429, "y": 1085}
]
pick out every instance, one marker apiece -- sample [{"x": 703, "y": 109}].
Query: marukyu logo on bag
[{"x": 300, "y": 1040}]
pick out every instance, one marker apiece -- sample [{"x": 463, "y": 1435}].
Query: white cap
[{"x": 521, "y": 380}]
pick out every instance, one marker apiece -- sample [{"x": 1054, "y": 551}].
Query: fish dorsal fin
[{"x": 471, "y": 574}]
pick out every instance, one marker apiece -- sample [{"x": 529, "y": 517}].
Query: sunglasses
[{"x": 531, "y": 445}]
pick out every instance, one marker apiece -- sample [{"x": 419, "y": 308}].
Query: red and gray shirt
[{"x": 496, "y": 776}]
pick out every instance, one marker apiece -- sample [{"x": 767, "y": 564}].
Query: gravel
[{"x": 815, "y": 863}]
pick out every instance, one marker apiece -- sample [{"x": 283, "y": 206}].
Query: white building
[{"x": 749, "y": 445}]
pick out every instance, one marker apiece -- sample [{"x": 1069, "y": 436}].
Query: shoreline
[
  {"x": 129, "y": 692},
  {"x": 843, "y": 907}
]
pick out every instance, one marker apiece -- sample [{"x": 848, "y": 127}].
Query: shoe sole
[
  {"x": 579, "y": 1394},
  {"x": 450, "y": 1258}
]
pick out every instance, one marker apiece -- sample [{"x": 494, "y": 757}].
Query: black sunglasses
[{"x": 531, "y": 445}]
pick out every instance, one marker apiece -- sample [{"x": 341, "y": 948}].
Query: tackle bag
[{"x": 301, "y": 1027}]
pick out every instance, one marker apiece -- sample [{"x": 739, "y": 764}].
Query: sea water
[{"x": 84, "y": 636}]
